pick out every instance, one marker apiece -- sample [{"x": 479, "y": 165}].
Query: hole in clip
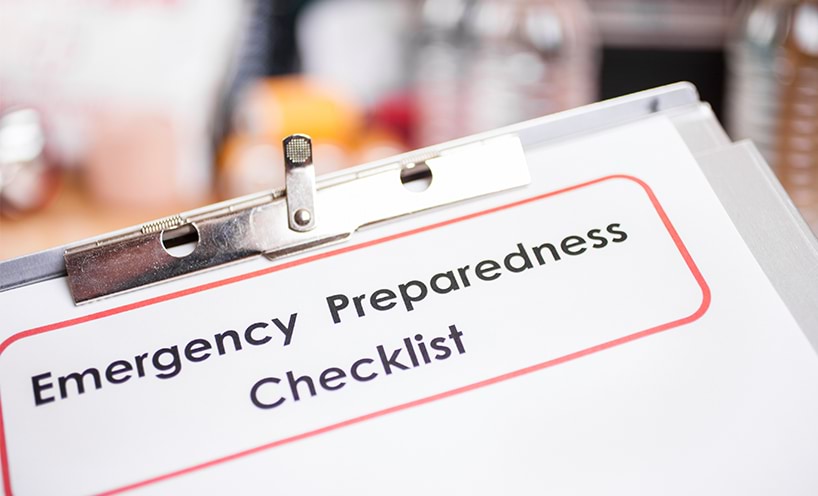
[
  {"x": 180, "y": 241},
  {"x": 416, "y": 177}
]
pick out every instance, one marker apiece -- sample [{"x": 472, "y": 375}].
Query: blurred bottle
[
  {"x": 530, "y": 58},
  {"x": 439, "y": 63},
  {"x": 481, "y": 64},
  {"x": 354, "y": 45},
  {"x": 773, "y": 86}
]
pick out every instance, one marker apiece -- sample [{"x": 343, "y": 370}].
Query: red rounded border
[{"x": 705, "y": 304}]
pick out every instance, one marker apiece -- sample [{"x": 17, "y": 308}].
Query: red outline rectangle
[{"x": 178, "y": 294}]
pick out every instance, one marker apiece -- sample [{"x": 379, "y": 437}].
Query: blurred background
[{"x": 116, "y": 112}]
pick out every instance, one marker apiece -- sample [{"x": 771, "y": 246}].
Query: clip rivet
[{"x": 302, "y": 217}]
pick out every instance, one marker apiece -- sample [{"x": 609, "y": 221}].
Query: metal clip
[
  {"x": 282, "y": 223},
  {"x": 299, "y": 180}
]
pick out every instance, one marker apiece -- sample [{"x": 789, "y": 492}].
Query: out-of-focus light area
[{"x": 116, "y": 112}]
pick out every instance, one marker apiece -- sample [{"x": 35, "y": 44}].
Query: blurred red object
[{"x": 398, "y": 114}]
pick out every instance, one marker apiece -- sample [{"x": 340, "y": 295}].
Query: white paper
[{"x": 658, "y": 362}]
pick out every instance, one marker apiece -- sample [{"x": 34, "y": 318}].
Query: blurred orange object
[
  {"x": 277, "y": 107},
  {"x": 274, "y": 108}
]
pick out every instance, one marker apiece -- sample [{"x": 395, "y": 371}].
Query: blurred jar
[
  {"x": 486, "y": 63},
  {"x": 29, "y": 178},
  {"x": 773, "y": 89}
]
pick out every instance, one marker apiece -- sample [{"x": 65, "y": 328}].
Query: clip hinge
[{"x": 299, "y": 180}]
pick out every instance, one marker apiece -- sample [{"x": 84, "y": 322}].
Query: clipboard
[{"x": 335, "y": 322}]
